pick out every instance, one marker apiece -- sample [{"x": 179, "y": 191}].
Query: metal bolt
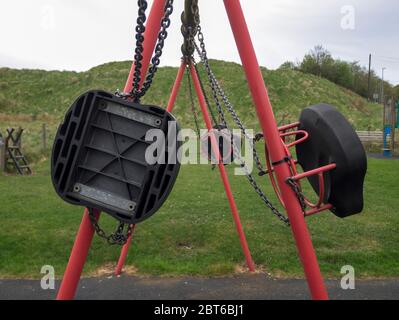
[
  {"x": 158, "y": 122},
  {"x": 102, "y": 105},
  {"x": 76, "y": 188}
]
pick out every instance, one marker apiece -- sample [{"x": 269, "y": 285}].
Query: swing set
[{"x": 98, "y": 158}]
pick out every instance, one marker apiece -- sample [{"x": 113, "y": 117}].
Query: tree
[
  {"x": 288, "y": 65},
  {"x": 318, "y": 62}
]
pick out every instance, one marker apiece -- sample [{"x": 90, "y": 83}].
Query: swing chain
[
  {"x": 217, "y": 90},
  {"x": 190, "y": 91},
  {"x": 298, "y": 192},
  {"x": 119, "y": 237},
  {"x": 190, "y": 21},
  {"x": 136, "y": 92}
]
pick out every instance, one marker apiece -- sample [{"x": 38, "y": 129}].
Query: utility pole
[
  {"x": 382, "y": 86},
  {"x": 369, "y": 79}
]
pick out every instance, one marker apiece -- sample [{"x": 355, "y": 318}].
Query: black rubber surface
[
  {"x": 99, "y": 156},
  {"x": 333, "y": 140}
]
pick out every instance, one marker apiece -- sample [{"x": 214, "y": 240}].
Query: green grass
[
  {"x": 194, "y": 234},
  {"x": 34, "y": 93},
  {"x": 29, "y": 98}
]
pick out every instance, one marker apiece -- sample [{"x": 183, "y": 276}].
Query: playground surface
[{"x": 242, "y": 287}]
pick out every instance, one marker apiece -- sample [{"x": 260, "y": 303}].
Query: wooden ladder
[{"x": 13, "y": 147}]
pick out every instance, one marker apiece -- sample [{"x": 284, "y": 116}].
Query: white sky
[{"x": 80, "y": 34}]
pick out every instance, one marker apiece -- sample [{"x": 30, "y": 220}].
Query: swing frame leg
[
  {"x": 222, "y": 169},
  {"x": 269, "y": 127},
  {"x": 85, "y": 233}
]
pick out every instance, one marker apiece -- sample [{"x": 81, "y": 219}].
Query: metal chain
[
  {"x": 210, "y": 108},
  {"x": 189, "y": 29},
  {"x": 297, "y": 189},
  {"x": 254, "y": 184},
  {"x": 190, "y": 90},
  {"x": 119, "y": 237},
  {"x": 136, "y": 92},
  {"x": 219, "y": 91}
]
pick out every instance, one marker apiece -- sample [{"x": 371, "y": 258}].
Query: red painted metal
[
  {"x": 318, "y": 210},
  {"x": 304, "y": 134},
  {"x": 77, "y": 259},
  {"x": 223, "y": 174},
  {"x": 85, "y": 234},
  {"x": 314, "y": 172},
  {"x": 152, "y": 28},
  {"x": 176, "y": 86},
  {"x": 289, "y": 126},
  {"x": 124, "y": 251},
  {"x": 275, "y": 147}
]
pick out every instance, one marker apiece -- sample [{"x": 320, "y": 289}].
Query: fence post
[{"x": 2, "y": 155}]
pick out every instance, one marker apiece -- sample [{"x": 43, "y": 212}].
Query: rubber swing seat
[
  {"x": 333, "y": 140},
  {"x": 99, "y": 156}
]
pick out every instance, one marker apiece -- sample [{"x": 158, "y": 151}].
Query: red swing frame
[{"x": 276, "y": 151}]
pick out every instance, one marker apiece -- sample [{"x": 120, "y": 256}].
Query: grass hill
[{"x": 30, "y": 97}]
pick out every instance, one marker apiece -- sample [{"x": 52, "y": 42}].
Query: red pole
[
  {"x": 152, "y": 28},
  {"x": 77, "y": 259},
  {"x": 124, "y": 252},
  {"x": 176, "y": 86},
  {"x": 223, "y": 174},
  {"x": 276, "y": 149}
]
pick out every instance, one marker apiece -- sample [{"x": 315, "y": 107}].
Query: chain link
[
  {"x": 298, "y": 192},
  {"x": 136, "y": 91},
  {"x": 119, "y": 237}
]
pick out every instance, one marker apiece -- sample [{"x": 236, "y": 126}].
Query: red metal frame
[
  {"x": 77, "y": 259},
  {"x": 222, "y": 169},
  {"x": 275, "y": 147},
  {"x": 276, "y": 151}
]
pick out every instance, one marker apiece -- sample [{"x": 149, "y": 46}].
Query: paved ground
[{"x": 253, "y": 287}]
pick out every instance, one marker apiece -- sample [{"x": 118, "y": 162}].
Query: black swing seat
[
  {"x": 98, "y": 157},
  {"x": 333, "y": 140}
]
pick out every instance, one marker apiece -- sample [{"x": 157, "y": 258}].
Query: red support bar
[
  {"x": 77, "y": 259},
  {"x": 296, "y": 132},
  {"x": 225, "y": 179},
  {"x": 124, "y": 251},
  {"x": 152, "y": 28},
  {"x": 275, "y": 147},
  {"x": 314, "y": 171},
  {"x": 176, "y": 86},
  {"x": 289, "y": 126},
  {"x": 318, "y": 210}
]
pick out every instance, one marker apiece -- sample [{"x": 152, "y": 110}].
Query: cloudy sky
[{"x": 80, "y": 34}]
